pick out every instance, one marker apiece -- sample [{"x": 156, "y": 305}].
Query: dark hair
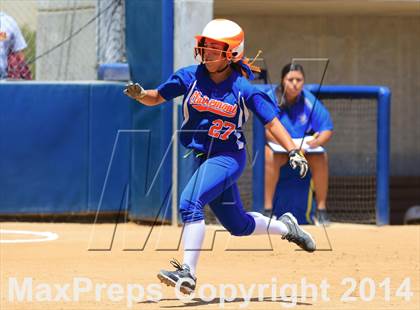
[
  {"x": 238, "y": 68},
  {"x": 286, "y": 69}
]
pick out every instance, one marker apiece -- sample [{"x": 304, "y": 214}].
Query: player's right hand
[
  {"x": 134, "y": 90},
  {"x": 298, "y": 160}
]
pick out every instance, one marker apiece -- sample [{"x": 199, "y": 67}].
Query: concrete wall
[
  {"x": 190, "y": 17},
  {"x": 371, "y": 50},
  {"x": 23, "y": 11},
  {"x": 110, "y": 32},
  {"x": 75, "y": 59}
]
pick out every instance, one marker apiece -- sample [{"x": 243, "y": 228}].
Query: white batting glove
[
  {"x": 297, "y": 160},
  {"x": 134, "y": 90}
]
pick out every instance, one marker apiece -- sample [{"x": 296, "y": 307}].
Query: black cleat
[
  {"x": 296, "y": 234},
  {"x": 182, "y": 274}
]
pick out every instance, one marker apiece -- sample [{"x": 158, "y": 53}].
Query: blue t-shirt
[
  {"x": 295, "y": 117},
  {"x": 214, "y": 114}
]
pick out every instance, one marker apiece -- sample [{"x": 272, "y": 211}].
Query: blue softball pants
[{"x": 215, "y": 183}]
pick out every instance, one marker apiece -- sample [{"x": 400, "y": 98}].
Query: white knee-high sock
[
  {"x": 264, "y": 224},
  {"x": 193, "y": 237}
]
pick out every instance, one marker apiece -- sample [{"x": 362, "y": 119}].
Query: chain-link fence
[{"x": 65, "y": 39}]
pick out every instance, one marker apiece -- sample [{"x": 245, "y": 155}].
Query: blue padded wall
[
  {"x": 43, "y": 158},
  {"x": 149, "y": 40},
  {"x": 56, "y": 143},
  {"x": 109, "y": 147}
]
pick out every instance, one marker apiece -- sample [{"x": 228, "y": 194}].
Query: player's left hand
[
  {"x": 313, "y": 143},
  {"x": 298, "y": 160},
  {"x": 134, "y": 90}
]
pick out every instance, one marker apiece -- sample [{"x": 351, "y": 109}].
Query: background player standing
[{"x": 217, "y": 97}]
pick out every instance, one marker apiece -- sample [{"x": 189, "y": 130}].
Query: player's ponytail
[{"x": 246, "y": 68}]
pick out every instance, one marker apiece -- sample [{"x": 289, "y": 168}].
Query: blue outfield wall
[
  {"x": 149, "y": 40},
  {"x": 75, "y": 147},
  {"x": 56, "y": 143}
]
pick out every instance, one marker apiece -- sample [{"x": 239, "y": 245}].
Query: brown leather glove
[{"x": 134, "y": 90}]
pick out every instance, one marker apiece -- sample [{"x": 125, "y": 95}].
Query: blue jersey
[
  {"x": 295, "y": 117},
  {"x": 214, "y": 114}
]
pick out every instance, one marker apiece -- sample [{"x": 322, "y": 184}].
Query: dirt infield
[{"x": 381, "y": 262}]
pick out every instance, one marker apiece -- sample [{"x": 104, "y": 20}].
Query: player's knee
[
  {"x": 190, "y": 211},
  {"x": 238, "y": 231},
  {"x": 241, "y": 228}
]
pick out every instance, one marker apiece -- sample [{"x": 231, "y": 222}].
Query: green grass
[{"x": 30, "y": 51}]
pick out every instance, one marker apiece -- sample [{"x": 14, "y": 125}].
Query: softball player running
[{"x": 217, "y": 97}]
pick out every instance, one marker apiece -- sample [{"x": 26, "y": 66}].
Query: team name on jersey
[{"x": 205, "y": 104}]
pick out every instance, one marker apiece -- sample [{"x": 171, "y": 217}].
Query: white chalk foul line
[{"x": 46, "y": 236}]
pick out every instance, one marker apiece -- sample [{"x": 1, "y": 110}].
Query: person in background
[
  {"x": 302, "y": 116},
  {"x": 12, "y": 44}
]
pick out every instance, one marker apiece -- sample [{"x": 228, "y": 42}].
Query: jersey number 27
[{"x": 221, "y": 129}]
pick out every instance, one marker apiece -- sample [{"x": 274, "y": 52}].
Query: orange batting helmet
[{"x": 227, "y": 32}]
